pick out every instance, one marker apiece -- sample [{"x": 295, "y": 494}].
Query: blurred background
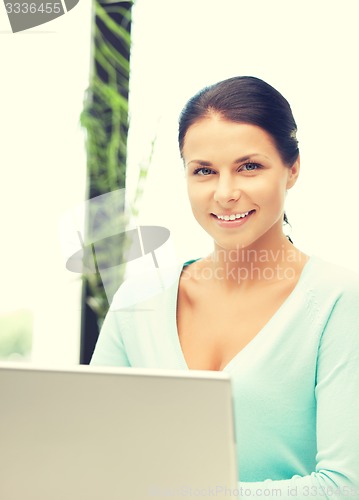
[{"x": 89, "y": 105}]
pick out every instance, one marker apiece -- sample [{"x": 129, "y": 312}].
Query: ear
[{"x": 293, "y": 173}]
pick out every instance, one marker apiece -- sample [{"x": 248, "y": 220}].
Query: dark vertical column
[{"x": 105, "y": 118}]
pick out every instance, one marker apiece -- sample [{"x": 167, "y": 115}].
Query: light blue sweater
[{"x": 295, "y": 385}]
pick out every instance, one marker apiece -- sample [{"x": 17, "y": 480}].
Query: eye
[
  {"x": 203, "y": 171},
  {"x": 250, "y": 167}
]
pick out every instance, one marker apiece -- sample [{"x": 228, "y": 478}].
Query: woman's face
[{"x": 237, "y": 182}]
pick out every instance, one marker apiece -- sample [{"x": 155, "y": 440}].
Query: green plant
[{"x": 105, "y": 119}]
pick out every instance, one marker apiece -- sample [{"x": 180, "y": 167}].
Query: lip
[{"x": 233, "y": 223}]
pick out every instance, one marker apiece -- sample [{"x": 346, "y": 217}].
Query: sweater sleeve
[
  {"x": 116, "y": 335},
  {"x": 337, "y": 395},
  {"x": 110, "y": 349}
]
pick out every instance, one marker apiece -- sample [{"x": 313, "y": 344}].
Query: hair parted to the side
[{"x": 245, "y": 99}]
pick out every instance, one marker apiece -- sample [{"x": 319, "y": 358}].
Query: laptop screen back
[{"x": 132, "y": 434}]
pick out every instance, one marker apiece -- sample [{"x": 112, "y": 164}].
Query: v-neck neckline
[{"x": 258, "y": 335}]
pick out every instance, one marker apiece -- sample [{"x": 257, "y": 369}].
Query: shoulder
[
  {"x": 326, "y": 276},
  {"x": 333, "y": 293}
]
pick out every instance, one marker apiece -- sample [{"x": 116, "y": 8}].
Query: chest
[{"x": 212, "y": 332}]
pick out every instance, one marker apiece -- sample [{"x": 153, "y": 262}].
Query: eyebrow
[{"x": 204, "y": 163}]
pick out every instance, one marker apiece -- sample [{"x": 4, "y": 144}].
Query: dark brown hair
[{"x": 245, "y": 99}]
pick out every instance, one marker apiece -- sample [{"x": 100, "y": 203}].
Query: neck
[{"x": 258, "y": 264}]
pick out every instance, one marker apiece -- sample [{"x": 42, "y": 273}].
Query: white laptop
[{"x": 115, "y": 434}]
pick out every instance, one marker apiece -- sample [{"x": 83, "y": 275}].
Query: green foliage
[
  {"x": 16, "y": 334},
  {"x": 105, "y": 119}
]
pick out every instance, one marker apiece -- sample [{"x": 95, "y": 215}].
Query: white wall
[{"x": 44, "y": 72}]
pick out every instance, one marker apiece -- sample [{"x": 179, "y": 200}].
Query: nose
[{"x": 227, "y": 190}]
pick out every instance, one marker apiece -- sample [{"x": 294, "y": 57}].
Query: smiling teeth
[{"x": 232, "y": 216}]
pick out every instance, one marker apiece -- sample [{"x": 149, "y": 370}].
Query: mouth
[{"x": 232, "y": 217}]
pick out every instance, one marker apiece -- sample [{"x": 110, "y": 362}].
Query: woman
[{"x": 283, "y": 324}]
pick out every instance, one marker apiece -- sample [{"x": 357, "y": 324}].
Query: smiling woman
[
  {"x": 283, "y": 324},
  {"x": 239, "y": 166}
]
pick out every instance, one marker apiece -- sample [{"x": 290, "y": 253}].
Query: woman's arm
[
  {"x": 110, "y": 350},
  {"x": 337, "y": 395}
]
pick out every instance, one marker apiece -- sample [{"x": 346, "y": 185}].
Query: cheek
[
  {"x": 191, "y": 193},
  {"x": 270, "y": 192}
]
